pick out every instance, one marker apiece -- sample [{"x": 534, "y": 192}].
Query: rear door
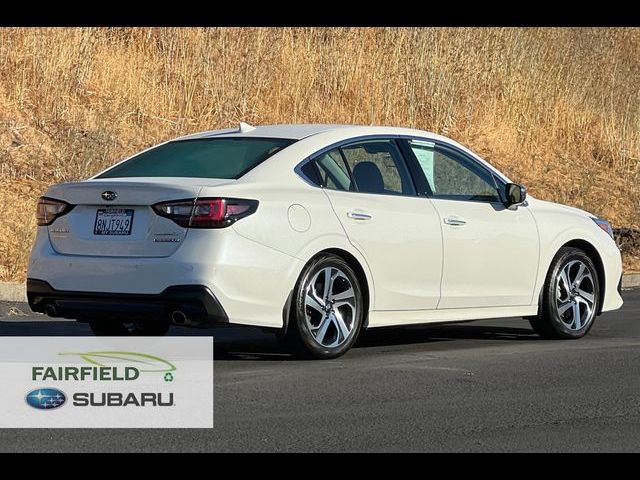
[
  {"x": 114, "y": 218},
  {"x": 372, "y": 193}
]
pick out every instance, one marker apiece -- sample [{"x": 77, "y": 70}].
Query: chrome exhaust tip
[
  {"x": 50, "y": 310},
  {"x": 179, "y": 318}
]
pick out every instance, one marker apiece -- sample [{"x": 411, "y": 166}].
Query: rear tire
[
  {"x": 570, "y": 297},
  {"x": 118, "y": 328},
  {"x": 327, "y": 310}
]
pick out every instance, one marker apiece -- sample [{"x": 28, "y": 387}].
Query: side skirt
[{"x": 388, "y": 318}]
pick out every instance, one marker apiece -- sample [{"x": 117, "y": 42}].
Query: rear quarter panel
[{"x": 296, "y": 220}]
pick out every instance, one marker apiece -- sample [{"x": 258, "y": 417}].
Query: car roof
[
  {"x": 304, "y": 130},
  {"x": 289, "y": 131}
]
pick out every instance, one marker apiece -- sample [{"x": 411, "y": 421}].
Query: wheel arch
[{"x": 355, "y": 263}]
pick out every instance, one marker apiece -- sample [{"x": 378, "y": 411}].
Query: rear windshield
[{"x": 204, "y": 158}]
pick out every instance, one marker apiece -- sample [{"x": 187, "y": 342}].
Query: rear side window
[
  {"x": 203, "y": 158},
  {"x": 333, "y": 171},
  {"x": 377, "y": 166},
  {"x": 373, "y": 166},
  {"x": 310, "y": 171}
]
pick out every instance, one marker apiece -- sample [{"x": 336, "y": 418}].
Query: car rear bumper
[
  {"x": 250, "y": 280},
  {"x": 197, "y": 305}
]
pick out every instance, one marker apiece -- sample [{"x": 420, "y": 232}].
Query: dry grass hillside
[{"x": 556, "y": 109}]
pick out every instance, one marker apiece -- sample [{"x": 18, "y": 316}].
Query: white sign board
[{"x": 106, "y": 382}]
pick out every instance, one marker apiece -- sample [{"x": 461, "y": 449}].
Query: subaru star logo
[
  {"x": 46, "y": 398},
  {"x": 109, "y": 195}
]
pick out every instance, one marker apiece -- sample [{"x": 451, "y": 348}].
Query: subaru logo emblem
[
  {"x": 46, "y": 398},
  {"x": 109, "y": 195}
]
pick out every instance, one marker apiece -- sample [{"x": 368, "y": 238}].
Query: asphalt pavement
[{"x": 490, "y": 385}]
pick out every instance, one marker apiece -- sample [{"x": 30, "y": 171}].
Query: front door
[{"x": 491, "y": 252}]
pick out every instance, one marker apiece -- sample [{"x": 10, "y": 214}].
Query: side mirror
[{"x": 514, "y": 194}]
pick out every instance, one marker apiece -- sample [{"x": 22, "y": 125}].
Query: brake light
[
  {"x": 206, "y": 212},
  {"x": 49, "y": 209}
]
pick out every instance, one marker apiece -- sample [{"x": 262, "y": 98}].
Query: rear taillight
[
  {"x": 206, "y": 212},
  {"x": 49, "y": 209}
]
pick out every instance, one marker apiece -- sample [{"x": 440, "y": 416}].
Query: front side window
[
  {"x": 202, "y": 158},
  {"x": 451, "y": 176},
  {"x": 377, "y": 166}
]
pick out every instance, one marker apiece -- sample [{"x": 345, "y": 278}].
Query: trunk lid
[{"x": 126, "y": 225}]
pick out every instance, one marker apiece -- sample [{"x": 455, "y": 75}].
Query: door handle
[
  {"x": 455, "y": 221},
  {"x": 358, "y": 216}
]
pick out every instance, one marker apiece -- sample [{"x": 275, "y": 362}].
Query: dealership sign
[{"x": 106, "y": 382}]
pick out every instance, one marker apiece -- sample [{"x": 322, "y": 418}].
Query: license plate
[{"x": 113, "y": 221}]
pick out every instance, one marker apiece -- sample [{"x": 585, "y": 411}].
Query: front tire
[
  {"x": 118, "y": 328},
  {"x": 327, "y": 310},
  {"x": 570, "y": 297}
]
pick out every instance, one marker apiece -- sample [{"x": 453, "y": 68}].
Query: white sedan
[{"x": 317, "y": 231}]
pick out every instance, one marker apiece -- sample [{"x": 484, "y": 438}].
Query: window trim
[
  {"x": 394, "y": 138},
  {"x": 498, "y": 182},
  {"x": 421, "y": 184},
  {"x": 415, "y": 171}
]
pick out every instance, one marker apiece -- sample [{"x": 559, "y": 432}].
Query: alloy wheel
[
  {"x": 330, "y": 307},
  {"x": 575, "y": 295}
]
